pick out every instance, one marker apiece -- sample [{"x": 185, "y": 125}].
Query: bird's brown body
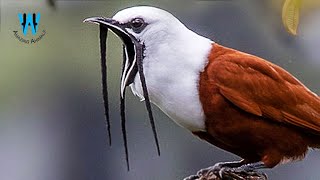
[{"x": 256, "y": 109}]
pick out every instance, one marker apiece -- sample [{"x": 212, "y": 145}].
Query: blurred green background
[{"x": 51, "y": 112}]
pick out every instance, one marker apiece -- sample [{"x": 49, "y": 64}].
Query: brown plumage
[{"x": 256, "y": 109}]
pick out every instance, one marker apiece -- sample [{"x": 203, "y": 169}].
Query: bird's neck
[{"x": 172, "y": 72}]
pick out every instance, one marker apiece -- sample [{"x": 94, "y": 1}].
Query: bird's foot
[
  {"x": 241, "y": 173},
  {"x": 212, "y": 172},
  {"x": 205, "y": 173},
  {"x": 230, "y": 170}
]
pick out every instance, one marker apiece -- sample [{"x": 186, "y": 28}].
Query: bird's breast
[{"x": 177, "y": 97}]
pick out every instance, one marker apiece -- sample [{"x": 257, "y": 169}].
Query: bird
[{"x": 236, "y": 101}]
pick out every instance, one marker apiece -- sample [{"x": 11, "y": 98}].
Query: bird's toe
[{"x": 192, "y": 177}]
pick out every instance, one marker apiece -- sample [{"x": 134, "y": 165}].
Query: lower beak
[{"x": 130, "y": 68}]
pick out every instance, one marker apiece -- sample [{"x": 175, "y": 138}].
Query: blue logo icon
[{"x": 29, "y": 20}]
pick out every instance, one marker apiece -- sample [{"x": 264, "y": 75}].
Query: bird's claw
[
  {"x": 241, "y": 174},
  {"x": 210, "y": 170},
  {"x": 206, "y": 173},
  {"x": 192, "y": 177}
]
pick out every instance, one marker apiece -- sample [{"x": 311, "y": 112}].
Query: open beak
[
  {"x": 132, "y": 65},
  {"x": 130, "y": 68}
]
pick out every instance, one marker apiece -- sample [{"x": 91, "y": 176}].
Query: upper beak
[
  {"x": 108, "y": 22},
  {"x": 102, "y": 20},
  {"x": 130, "y": 68}
]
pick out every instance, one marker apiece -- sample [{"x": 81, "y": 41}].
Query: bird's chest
[{"x": 175, "y": 93}]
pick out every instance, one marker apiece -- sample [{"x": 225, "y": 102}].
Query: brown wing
[{"x": 264, "y": 89}]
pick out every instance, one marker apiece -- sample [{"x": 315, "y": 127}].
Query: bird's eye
[{"x": 137, "y": 25}]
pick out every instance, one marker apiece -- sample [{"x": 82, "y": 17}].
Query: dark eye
[{"x": 137, "y": 25}]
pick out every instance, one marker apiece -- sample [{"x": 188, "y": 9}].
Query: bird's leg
[{"x": 252, "y": 166}]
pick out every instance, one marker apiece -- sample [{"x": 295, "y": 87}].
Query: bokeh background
[{"x": 51, "y": 114}]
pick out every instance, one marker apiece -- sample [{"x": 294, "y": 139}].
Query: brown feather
[
  {"x": 256, "y": 109},
  {"x": 264, "y": 89}
]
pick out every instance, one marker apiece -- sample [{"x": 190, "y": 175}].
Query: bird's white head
[{"x": 173, "y": 57}]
